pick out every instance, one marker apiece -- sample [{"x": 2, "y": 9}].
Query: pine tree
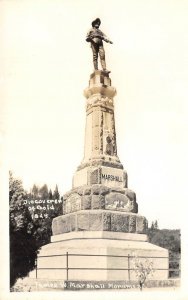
[
  {"x": 156, "y": 225},
  {"x": 50, "y": 196},
  {"x": 56, "y": 194},
  {"x": 35, "y": 192},
  {"x": 152, "y": 226},
  {"x": 43, "y": 192}
]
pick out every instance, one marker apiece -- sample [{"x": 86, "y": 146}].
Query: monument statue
[
  {"x": 100, "y": 229},
  {"x": 96, "y": 37}
]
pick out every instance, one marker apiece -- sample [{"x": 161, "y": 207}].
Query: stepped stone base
[
  {"x": 93, "y": 256},
  {"x": 99, "y": 220}
]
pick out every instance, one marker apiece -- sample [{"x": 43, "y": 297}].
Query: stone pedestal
[
  {"x": 100, "y": 226},
  {"x": 99, "y": 255},
  {"x": 100, "y": 163}
]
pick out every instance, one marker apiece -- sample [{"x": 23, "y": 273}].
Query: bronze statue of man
[{"x": 96, "y": 37}]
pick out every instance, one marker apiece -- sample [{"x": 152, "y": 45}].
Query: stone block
[
  {"x": 54, "y": 226},
  {"x": 130, "y": 194},
  {"x": 134, "y": 206},
  {"x": 118, "y": 190},
  {"x": 87, "y": 191},
  {"x": 72, "y": 222},
  {"x": 83, "y": 221},
  {"x": 132, "y": 223},
  {"x": 106, "y": 221},
  {"x": 104, "y": 190},
  {"x": 119, "y": 223},
  {"x": 95, "y": 189},
  {"x": 80, "y": 191},
  {"x": 95, "y": 221},
  {"x": 62, "y": 226},
  {"x": 141, "y": 224},
  {"x": 112, "y": 176},
  {"x": 73, "y": 203},
  {"x": 95, "y": 202},
  {"x": 125, "y": 179},
  {"x": 64, "y": 206},
  {"x": 94, "y": 177},
  {"x": 65, "y": 196},
  {"x": 80, "y": 178},
  {"x": 102, "y": 202},
  {"x": 86, "y": 202}
]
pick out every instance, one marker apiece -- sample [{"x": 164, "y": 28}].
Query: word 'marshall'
[{"x": 111, "y": 177}]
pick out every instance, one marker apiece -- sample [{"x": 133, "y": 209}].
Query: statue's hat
[{"x": 96, "y": 21}]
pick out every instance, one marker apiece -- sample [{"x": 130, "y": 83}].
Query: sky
[{"x": 45, "y": 66}]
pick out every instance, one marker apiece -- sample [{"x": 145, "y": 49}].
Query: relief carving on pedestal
[
  {"x": 109, "y": 146},
  {"x": 117, "y": 201}
]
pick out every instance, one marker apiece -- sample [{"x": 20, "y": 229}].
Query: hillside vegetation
[{"x": 171, "y": 240}]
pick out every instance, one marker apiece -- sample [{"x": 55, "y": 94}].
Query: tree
[
  {"x": 43, "y": 231},
  {"x": 50, "y": 196},
  {"x": 43, "y": 225},
  {"x": 166, "y": 238},
  {"x": 23, "y": 248},
  {"x": 56, "y": 194},
  {"x": 169, "y": 239},
  {"x": 43, "y": 192},
  {"x": 35, "y": 192},
  {"x": 143, "y": 268},
  {"x": 152, "y": 226},
  {"x": 156, "y": 225}
]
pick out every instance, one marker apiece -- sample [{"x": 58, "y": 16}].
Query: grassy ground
[{"x": 24, "y": 285}]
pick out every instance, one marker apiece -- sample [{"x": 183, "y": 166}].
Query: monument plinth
[{"x": 100, "y": 221}]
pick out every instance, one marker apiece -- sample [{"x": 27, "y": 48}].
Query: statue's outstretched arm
[{"x": 106, "y": 39}]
